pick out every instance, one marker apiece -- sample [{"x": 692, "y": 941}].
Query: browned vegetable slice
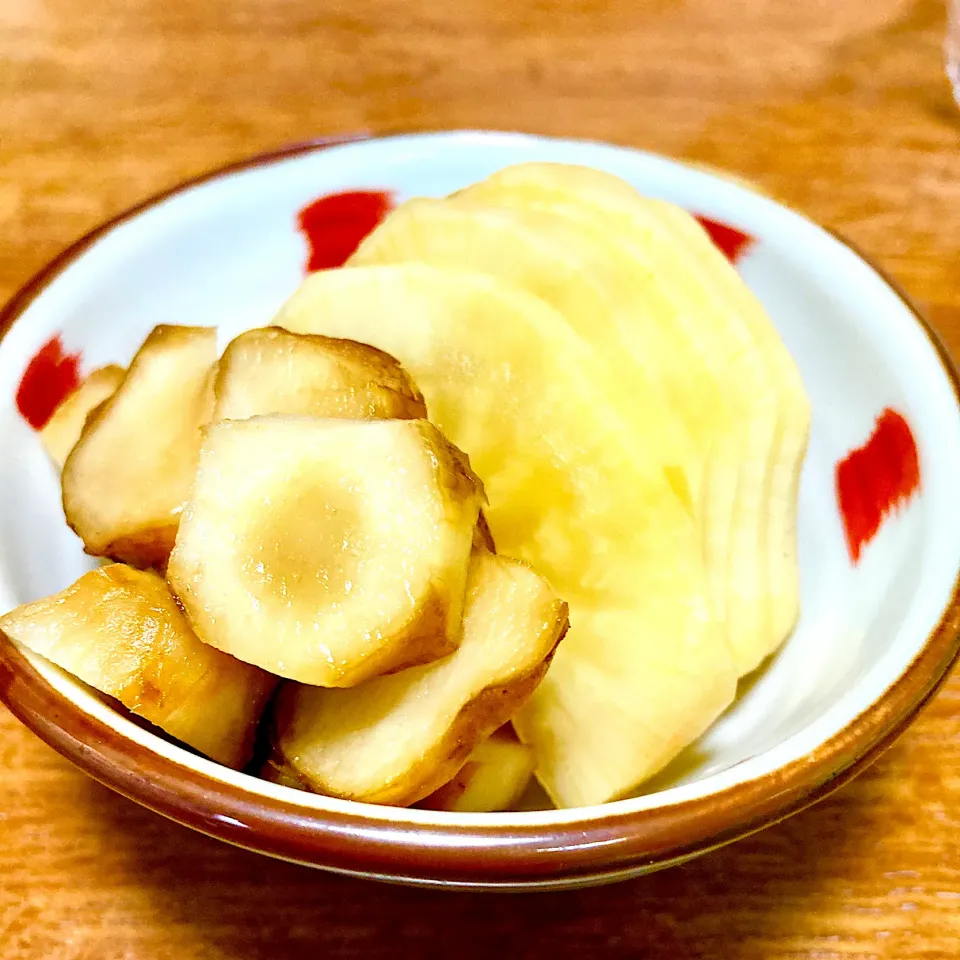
[
  {"x": 272, "y": 371},
  {"x": 121, "y": 631},
  {"x": 396, "y": 739},
  {"x": 126, "y": 480},
  {"x": 327, "y": 551}
]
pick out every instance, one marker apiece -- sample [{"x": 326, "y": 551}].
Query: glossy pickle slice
[{"x": 327, "y": 551}]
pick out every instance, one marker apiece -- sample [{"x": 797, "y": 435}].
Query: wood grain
[{"x": 840, "y": 109}]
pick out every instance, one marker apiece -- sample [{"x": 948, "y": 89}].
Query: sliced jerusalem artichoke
[
  {"x": 63, "y": 429},
  {"x": 396, "y": 739},
  {"x": 126, "y": 480},
  {"x": 494, "y": 777},
  {"x": 121, "y": 631},
  {"x": 327, "y": 551},
  {"x": 273, "y": 371}
]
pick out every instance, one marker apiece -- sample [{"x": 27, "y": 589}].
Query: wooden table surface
[{"x": 839, "y": 108}]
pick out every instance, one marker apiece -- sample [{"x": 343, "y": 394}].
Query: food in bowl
[
  {"x": 398, "y": 738},
  {"x": 122, "y": 631},
  {"x": 272, "y": 371},
  {"x": 63, "y": 429},
  {"x": 129, "y": 475},
  {"x": 327, "y": 551},
  {"x": 495, "y": 777},
  {"x": 625, "y": 404}
]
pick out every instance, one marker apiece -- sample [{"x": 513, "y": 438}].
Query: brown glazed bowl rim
[{"x": 465, "y": 852}]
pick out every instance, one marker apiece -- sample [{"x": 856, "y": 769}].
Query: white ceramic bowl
[{"x": 876, "y": 636}]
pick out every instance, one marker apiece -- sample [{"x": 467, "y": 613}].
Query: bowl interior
[{"x": 228, "y": 252}]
